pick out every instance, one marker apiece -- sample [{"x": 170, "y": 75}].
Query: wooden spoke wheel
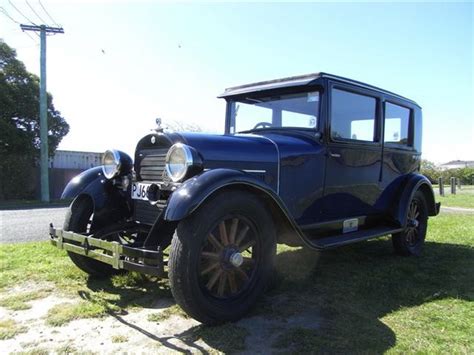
[
  {"x": 229, "y": 257},
  {"x": 412, "y": 234},
  {"x": 222, "y": 257},
  {"x": 411, "y": 240}
]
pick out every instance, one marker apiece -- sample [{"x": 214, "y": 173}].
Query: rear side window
[
  {"x": 397, "y": 124},
  {"x": 353, "y": 116}
]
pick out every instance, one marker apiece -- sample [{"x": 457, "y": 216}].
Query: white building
[
  {"x": 68, "y": 159},
  {"x": 457, "y": 164}
]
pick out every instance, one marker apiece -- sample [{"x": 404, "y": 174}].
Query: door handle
[{"x": 335, "y": 155}]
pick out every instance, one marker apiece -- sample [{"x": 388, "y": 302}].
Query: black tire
[
  {"x": 193, "y": 253},
  {"x": 410, "y": 241},
  {"x": 78, "y": 219}
]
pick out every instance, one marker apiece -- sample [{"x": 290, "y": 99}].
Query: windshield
[{"x": 293, "y": 110}]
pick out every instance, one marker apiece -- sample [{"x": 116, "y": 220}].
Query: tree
[
  {"x": 430, "y": 170},
  {"x": 19, "y": 125},
  {"x": 181, "y": 126}
]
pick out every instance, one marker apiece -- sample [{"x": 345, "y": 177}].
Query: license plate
[{"x": 139, "y": 191}]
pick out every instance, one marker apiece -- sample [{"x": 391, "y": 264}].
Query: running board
[{"x": 354, "y": 237}]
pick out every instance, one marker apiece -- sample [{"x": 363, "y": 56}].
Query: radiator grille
[
  {"x": 152, "y": 165},
  {"x": 150, "y": 168}
]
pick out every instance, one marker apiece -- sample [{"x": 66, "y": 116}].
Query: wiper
[
  {"x": 261, "y": 129},
  {"x": 253, "y": 100}
]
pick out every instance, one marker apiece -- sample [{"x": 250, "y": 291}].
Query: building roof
[
  {"x": 459, "y": 162},
  {"x": 298, "y": 81}
]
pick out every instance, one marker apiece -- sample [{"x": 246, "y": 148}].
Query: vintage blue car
[{"x": 315, "y": 160}]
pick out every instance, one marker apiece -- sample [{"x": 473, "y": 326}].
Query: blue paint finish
[
  {"x": 240, "y": 152},
  {"x": 302, "y": 164},
  {"x": 411, "y": 185},
  {"x": 79, "y": 183},
  {"x": 109, "y": 202}
]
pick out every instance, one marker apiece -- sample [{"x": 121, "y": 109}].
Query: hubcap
[{"x": 236, "y": 259}]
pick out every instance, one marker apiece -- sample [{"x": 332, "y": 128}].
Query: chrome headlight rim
[
  {"x": 188, "y": 161},
  {"x": 115, "y": 166}
]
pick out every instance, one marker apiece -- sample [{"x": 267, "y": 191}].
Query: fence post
[
  {"x": 459, "y": 183},
  {"x": 441, "y": 186},
  {"x": 453, "y": 185}
]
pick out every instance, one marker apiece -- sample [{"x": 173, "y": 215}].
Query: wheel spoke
[
  {"x": 233, "y": 230},
  {"x": 212, "y": 281},
  {"x": 242, "y": 235},
  {"x": 209, "y": 268},
  {"x": 410, "y": 212},
  {"x": 223, "y": 233},
  {"x": 232, "y": 283},
  {"x": 247, "y": 245},
  {"x": 248, "y": 261},
  {"x": 209, "y": 255},
  {"x": 242, "y": 274},
  {"x": 215, "y": 242},
  {"x": 222, "y": 282}
]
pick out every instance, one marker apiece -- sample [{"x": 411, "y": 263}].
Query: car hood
[{"x": 245, "y": 152}]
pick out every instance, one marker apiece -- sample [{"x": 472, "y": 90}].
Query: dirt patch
[{"x": 162, "y": 328}]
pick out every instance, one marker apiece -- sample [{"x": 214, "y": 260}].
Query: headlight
[
  {"x": 115, "y": 162},
  {"x": 178, "y": 161}
]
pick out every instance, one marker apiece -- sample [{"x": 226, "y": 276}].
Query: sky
[{"x": 121, "y": 64}]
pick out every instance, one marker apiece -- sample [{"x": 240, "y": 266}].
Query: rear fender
[{"x": 414, "y": 183}]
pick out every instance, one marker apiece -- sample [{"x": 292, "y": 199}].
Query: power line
[
  {"x": 31, "y": 7},
  {"x": 7, "y": 15},
  {"x": 3, "y": 11},
  {"x": 21, "y": 13},
  {"x": 47, "y": 13}
]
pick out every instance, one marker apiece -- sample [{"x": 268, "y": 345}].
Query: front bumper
[{"x": 112, "y": 253}]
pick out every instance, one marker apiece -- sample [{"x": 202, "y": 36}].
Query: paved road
[{"x": 30, "y": 224}]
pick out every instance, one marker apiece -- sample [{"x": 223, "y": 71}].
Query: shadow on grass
[
  {"x": 353, "y": 287},
  {"x": 324, "y": 302}
]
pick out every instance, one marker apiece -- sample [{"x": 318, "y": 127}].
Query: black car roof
[{"x": 298, "y": 81}]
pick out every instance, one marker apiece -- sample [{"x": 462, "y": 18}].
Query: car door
[{"x": 354, "y": 152}]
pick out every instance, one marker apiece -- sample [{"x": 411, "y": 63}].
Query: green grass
[
  {"x": 40, "y": 262},
  {"x": 119, "y": 338},
  {"x": 464, "y": 197},
  {"x": 461, "y": 199},
  {"x": 167, "y": 313},
  {"x": 19, "y": 301},
  {"x": 373, "y": 301},
  {"x": 360, "y": 298},
  {"x": 66, "y": 312},
  {"x": 9, "y": 328}
]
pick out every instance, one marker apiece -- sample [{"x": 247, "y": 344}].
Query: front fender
[
  {"x": 109, "y": 203},
  {"x": 80, "y": 182},
  {"x": 414, "y": 183},
  {"x": 193, "y": 192}
]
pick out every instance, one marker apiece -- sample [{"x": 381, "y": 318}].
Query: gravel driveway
[{"x": 29, "y": 224}]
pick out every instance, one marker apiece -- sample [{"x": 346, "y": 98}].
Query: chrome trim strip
[
  {"x": 254, "y": 171},
  {"x": 246, "y": 170},
  {"x": 279, "y": 160}
]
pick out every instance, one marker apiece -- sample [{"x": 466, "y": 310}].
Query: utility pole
[{"x": 43, "y": 110}]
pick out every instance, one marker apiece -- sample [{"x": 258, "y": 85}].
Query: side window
[
  {"x": 353, "y": 116},
  {"x": 397, "y": 124}
]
